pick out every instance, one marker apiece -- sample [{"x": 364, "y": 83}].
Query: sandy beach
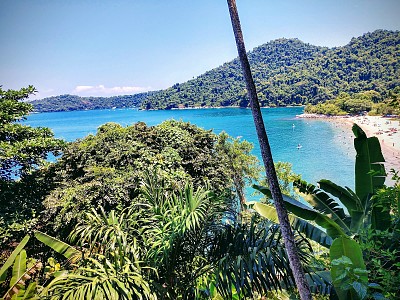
[{"x": 387, "y": 130}]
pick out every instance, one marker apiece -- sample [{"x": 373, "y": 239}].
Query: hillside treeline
[
  {"x": 290, "y": 72},
  {"x": 73, "y": 102},
  {"x": 286, "y": 72},
  {"x": 370, "y": 102}
]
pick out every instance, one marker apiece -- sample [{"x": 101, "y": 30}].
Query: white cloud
[{"x": 101, "y": 90}]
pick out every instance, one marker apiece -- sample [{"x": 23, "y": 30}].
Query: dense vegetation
[
  {"x": 365, "y": 238},
  {"x": 107, "y": 169},
  {"x": 152, "y": 212},
  {"x": 73, "y": 102},
  {"x": 23, "y": 149},
  {"x": 158, "y": 212},
  {"x": 370, "y": 102},
  {"x": 286, "y": 72}
]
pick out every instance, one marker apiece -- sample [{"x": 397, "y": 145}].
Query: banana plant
[
  {"x": 69, "y": 252},
  {"x": 329, "y": 201},
  {"x": 23, "y": 269},
  {"x": 9, "y": 262},
  {"x": 21, "y": 273},
  {"x": 298, "y": 218},
  {"x": 347, "y": 287},
  {"x": 369, "y": 177}
]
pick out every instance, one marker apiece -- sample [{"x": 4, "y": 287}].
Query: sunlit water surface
[{"x": 326, "y": 150}]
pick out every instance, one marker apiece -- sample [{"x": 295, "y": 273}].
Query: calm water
[{"x": 326, "y": 151}]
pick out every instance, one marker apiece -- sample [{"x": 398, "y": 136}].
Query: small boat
[{"x": 299, "y": 146}]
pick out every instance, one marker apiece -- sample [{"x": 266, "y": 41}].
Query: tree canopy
[
  {"x": 370, "y": 102},
  {"x": 22, "y": 148},
  {"x": 23, "y": 153},
  {"x": 106, "y": 169}
]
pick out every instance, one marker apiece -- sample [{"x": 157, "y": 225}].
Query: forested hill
[
  {"x": 73, "y": 102},
  {"x": 288, "y": 71}
]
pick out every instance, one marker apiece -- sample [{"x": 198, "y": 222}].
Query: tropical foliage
[
  {"x": 172, "y": 244},
  {"x": 152, "y": 212},
  {"x": 329, "y": 213},
  {"x": 365, "y": 219},
  {"x": 106, "y": 169},
  {"x": 360, "y": 103},
  {"x": 157, "y": 212},
  {"x": 23, "y": 152},
  {"x": 381, "y": 248},
  {"x": 22, "y": 147}
]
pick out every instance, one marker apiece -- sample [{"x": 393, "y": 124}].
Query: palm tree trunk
[{"x": 266, "y": 154}]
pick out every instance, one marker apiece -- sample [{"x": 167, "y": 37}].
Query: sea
[{"x": 317, "y": 149}]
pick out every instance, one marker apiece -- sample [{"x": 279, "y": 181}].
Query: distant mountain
[
  {"x": 286, "y": 72},
  {"x": 290, "y": 72},
  {"x": 73, "y": 102}
]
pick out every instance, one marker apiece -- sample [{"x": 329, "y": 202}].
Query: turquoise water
[{"x": 326, "y": 151}]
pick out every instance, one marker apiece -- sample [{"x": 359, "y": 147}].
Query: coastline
[{"x": 387, "y": 130}]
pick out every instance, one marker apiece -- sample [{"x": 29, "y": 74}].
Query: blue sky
[{"x": 112, "y": 47}]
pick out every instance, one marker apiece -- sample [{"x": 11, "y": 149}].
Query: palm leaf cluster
[
  {"x": 252, "y": 257},
  {"x": 101, "y": 278},
  {"x": 174, "y": 244}
]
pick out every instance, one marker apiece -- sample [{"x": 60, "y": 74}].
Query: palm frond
[
  {"x": 101, "y": 279},
  {"x": 253, "y": 258}
]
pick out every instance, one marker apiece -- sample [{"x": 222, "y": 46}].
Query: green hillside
[
  {"x": 286, "y": 72},
  {"x": 73, "y": 102},
  {"x": 290, "y": 72}
]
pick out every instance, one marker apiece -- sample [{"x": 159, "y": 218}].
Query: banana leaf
[
  {"x": 344, "y": 246},
  {"x": 346, "y": 196},
  {"x": 59, "y": 246},
  {"x": 323, "y": 203},
  {"x": 310, "y": 231},
  {"x": 307, "y": 213},
  {"x": 19, "y": 267},
  {"x": 370, "y": 176},
  {"x": 11, "y": 258},
  {"x": 369, "y": 170},
  {"x": 20, "y": 275}
]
